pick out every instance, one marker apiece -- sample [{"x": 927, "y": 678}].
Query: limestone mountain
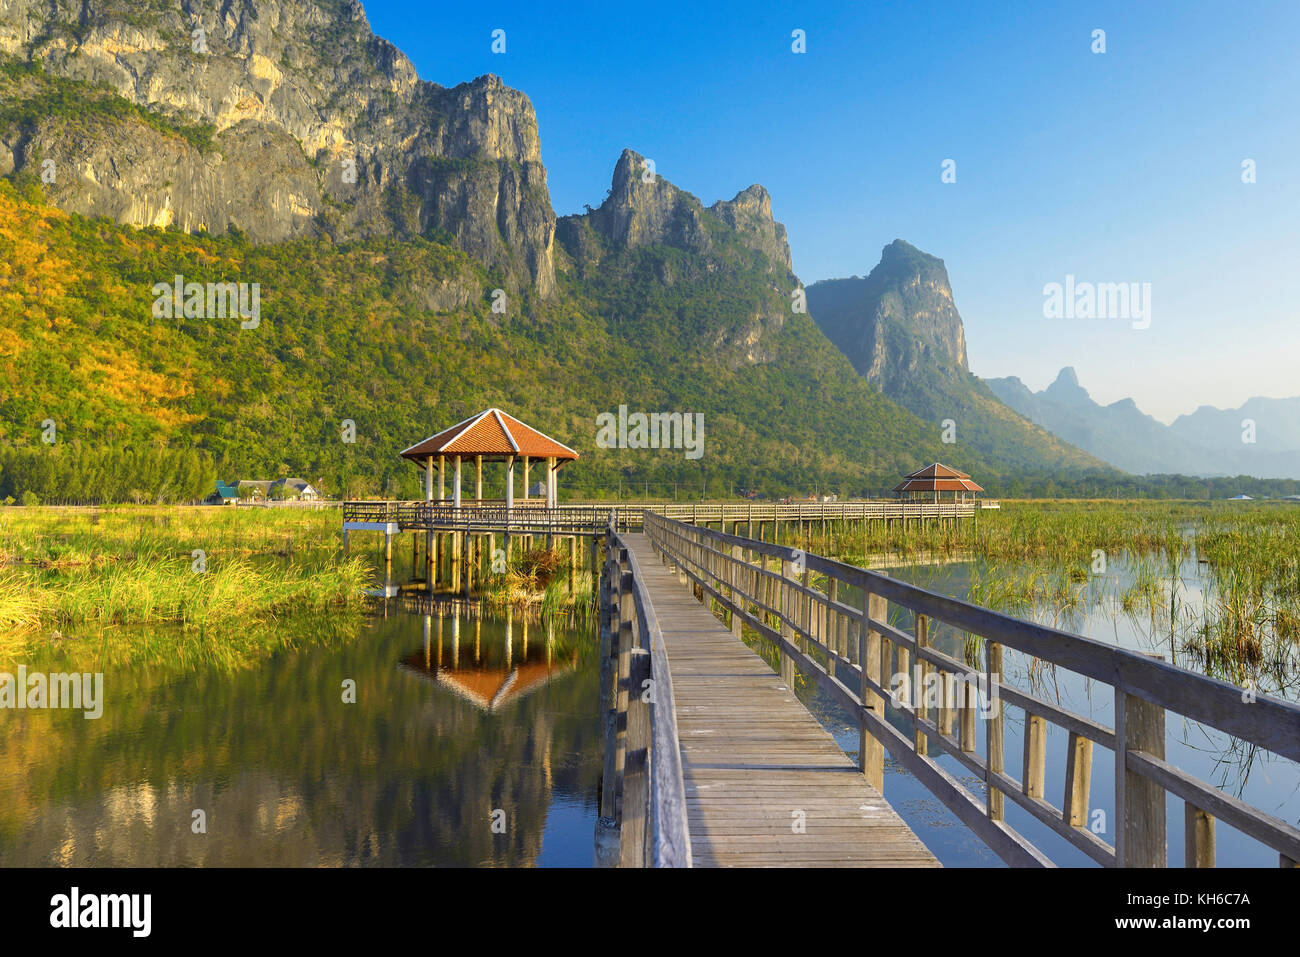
[
  {"x": 281, "y": 118},
  {"x": 238, "y": 128},
  {"x": 1275, "y": 426},
  {"x": 648, "y": 230},
  {"x": 900, "y": 328},
  {"x": 898, "y": 319},
  {"x": 1208, "y": 442}
]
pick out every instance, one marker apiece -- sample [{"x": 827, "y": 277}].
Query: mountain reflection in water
[{"x": 288, "y": 774}]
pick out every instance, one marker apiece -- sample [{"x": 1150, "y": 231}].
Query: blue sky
[{"x": 1123, "y": 166}]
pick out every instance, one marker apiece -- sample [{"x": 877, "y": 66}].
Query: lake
[{"x": 470, "y": 751}]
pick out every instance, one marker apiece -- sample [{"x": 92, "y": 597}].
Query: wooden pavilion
[
  {"x": 489, "y": 436},
  {"x": 936, "y": 479}
]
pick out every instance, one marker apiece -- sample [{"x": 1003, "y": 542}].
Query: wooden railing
[
  {"x": 851, "y": 652},
  {"x": 643, "y": 793},
  {"x": 589, "y": 517},
  {"x": 493, "y": 516},
  {"x": 706, "y": 512}
]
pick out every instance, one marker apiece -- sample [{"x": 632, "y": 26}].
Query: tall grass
[
  {"x": 61, "y": 568},
  {"x": 1040, "y": 558}
]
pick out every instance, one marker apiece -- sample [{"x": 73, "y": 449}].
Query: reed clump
[
  {"x": 539, "y": 578},
  {"x": 189, "y": 566}
]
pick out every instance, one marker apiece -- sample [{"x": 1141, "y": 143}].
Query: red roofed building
[
  {"x": 490, "y": 436},
  {"x": 935, "y": 479}
]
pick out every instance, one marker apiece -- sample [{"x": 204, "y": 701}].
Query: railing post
[
  {"x": 1078, "y": 780},
  {"x": 920, "y": 740},
  {"x": 636, "y": 792},
  {"x": 1198, "y": 837},
  {"x": 787, "y": 630},
  {"x": 831, "y": 638},
  {"x": 1035, "y": 756},
  {"x": 871, "y": 751},
  {"x": 626, "y": 613},
  {"x": 609, "y": 685},
  {"x": 994, "y": 740},
  {"x": 736, "y": 600},
  {"x": 1140, "y": 838}
]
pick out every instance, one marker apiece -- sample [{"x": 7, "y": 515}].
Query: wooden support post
[
  {"x": 918, "y": 693},
  {"x": 871, "y": 751},
  {"x": 832, "y": 637},
  {"x": 626, "y": 614},
  {"x": 608, "y": 698},
  {"x": 1198, "y": 837},
  {"x": 636, "y": 766},
  {"x": 736, "y": 571},
  {"x": 1035, "y": 756},
  {"x": 946, "y": 704},
  {"x": 478, "y": 479},
  {"x": 1140, "y": 838},
  {"x": 1078, "y": 779},
  {"x": 995, "y": 742},
  {"x": 968, "y": 707},
  {"x": 346, "y": 544},
  {"x": 787, "y": 631}
]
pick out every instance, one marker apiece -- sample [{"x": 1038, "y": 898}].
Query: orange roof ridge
[{"x": 491, "y": 432}]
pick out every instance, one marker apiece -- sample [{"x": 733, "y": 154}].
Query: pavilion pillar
[
  {"x": 442, "y": 478},
  {"x": 478, "y": 479},
  {"x": 526, "y": 465},
  {"x": 510, "y": 502},
  {"x": 428, "y": 534},
  {"x": 455, "y": 486},
  {"x": 550, "y": 481}
]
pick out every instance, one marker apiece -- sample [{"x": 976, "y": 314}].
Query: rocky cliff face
[
  {"x": 902, "y": 332},
  {"x": 732, "y": 244},
  {"x": 645, "y": 210},
  {"x": 314, "y": 125},
  {"x": 897, "y": 320}
]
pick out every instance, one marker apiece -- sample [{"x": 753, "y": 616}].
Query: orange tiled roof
[
  {"x": 490, "y": 433},
  {"x": 937, "y": 477}
]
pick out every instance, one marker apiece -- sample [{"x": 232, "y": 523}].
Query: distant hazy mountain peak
[
  {"x": 1066, "y": 389},
  {"x": 1207, "y": 442}
]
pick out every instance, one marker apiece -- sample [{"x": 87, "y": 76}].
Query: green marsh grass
[
  {"x": 65, "y": 569},
  {"x": 1039, "y": 557}
]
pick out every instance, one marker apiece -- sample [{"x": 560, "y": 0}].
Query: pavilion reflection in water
[{"x": 490, "y": 671}]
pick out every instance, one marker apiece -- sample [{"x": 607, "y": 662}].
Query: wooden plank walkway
[{"x": 754, "y": 757}]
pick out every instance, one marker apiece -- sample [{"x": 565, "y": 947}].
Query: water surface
[{"x": 445, "y": 738}]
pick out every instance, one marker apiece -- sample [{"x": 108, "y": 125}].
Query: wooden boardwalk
[{"x": 766, "y": 785}]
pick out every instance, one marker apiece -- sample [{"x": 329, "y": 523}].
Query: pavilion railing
[
  {"x": 570, "y": 515},
  {"x": 851, "y": 651}
]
